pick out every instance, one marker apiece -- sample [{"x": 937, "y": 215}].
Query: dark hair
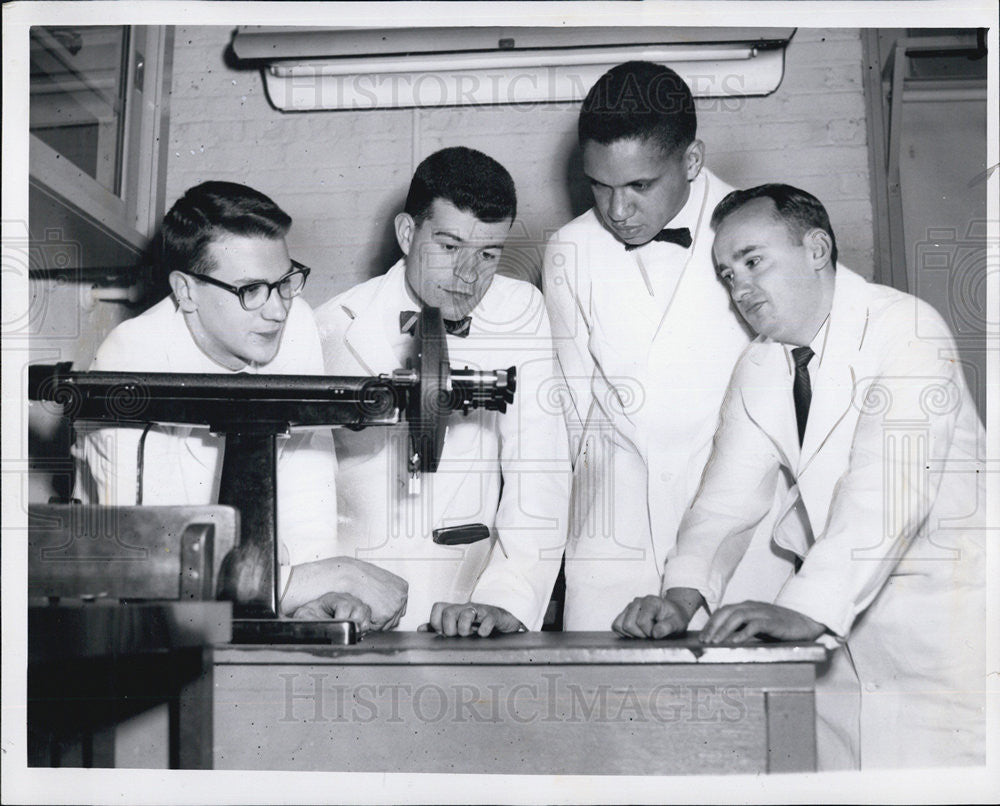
[
  {"x": 800, "y": 211},
  {"x": 468, "y": 179},
  {"x": 210, "y": 210},
  {"x": 639, "y": 100}
]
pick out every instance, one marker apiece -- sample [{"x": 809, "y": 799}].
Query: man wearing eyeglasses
[{"x": 234, "y": 307}]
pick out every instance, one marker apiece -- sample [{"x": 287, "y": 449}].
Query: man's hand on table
[
  {"x": 384, "y": 592},
  {"x": 741, "y": 622},
  {"x": 658, "y": 616},
  {"x": 337, "y": 606},
  {"x": 471, "y": 618},
  {"x": 381, "y": 591}
]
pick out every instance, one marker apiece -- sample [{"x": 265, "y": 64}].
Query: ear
[
  {"x": 180, "y": 284},
  {"x": 694, "y": 159},
  {"x": 819, "y": 246},
  {"x": 405, "y": 228}
]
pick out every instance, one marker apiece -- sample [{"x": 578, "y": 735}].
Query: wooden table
[
  {"x": 572, "y": 703},
  {"x": 122, "y": 684}
]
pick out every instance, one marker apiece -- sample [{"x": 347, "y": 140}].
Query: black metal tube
[
  {"x": 44, "y": 380},
  {"x": 218, "y": 400}
]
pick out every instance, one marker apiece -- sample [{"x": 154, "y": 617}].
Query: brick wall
[
  {"x": 810, "y": 133},
  {"x": 343, "y": 175}
]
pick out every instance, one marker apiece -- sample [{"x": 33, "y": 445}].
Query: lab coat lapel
[
  {"x": 622, "y": 318},
  {"x": 694, "y": 286},
  {"x": 767, "y": 397},
  {"x": 833, "y": 378},
  {"x": 365, "y": 337}
]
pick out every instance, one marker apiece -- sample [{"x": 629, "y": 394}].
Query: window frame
[{"x": 133, "y": 215}]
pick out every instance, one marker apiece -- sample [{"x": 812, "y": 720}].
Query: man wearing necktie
[
  {"x": 854, "y": 391},
  {"x": 508, "y": 471},
  {"x": 646, "y": 339}
]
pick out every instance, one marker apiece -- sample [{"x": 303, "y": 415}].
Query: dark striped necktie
[
  {"x": 802, "y": 388},
  {"x": 454, "y": 327}
]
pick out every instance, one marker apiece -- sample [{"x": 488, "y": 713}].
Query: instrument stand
[{"x": 250, "y": 576}]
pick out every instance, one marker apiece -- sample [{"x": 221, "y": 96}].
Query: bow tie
[
  {"x": 455, "y": 327},
  {"x": 680, "y": 236}
]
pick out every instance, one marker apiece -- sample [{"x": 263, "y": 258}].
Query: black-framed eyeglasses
[{"x": 255, "y": 295}]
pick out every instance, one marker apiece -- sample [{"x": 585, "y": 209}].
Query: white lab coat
[
  {"x": 646, "y": 342},
  {"x": 183, "y": 465},
  {"x": 525, "y": 448},
  {"x": 888, "y": 514}
]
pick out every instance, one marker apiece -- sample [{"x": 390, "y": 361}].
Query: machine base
[{"x": 287, "y": 631}]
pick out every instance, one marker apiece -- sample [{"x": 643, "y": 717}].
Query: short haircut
[
  {"x": 212, "y": 210},
  {"x": 640, "y": 101},
  {"x": 467, "y": 178},
  {"x": 798, "y": 210}
]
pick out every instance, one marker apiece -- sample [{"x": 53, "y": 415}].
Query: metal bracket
[{"x": 196, "y": 563}]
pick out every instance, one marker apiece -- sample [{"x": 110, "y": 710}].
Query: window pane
[
  {"x": 78, "y": 96},
  {"x": 948, "y": 62}
]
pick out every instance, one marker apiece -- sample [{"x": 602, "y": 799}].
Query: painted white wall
[{"x": 342, "y": 176}]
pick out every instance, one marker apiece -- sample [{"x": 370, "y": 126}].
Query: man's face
[
  {"x": 451, "y": 257},
  {"x": 773, "y": 279},
  {"x": 228, "y": 334},
  {"x": 638, "y": 188}
]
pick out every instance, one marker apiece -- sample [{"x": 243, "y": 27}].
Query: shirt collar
[
  {"x": 817, "y": 345},
  {"x": 395, "y": 290},
  {"x": 688, "y": 215}
]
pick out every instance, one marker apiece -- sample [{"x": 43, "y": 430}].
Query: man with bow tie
[
  {"x": 646, "y": 340},
  {"x": 508, "y": 471},
  {"x": 854, "y": 391}
]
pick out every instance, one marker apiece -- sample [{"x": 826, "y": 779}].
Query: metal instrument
[{"x": 251, "y": 411}]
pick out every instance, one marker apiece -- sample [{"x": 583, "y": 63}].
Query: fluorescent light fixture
[{"x": 476, "y": 71}]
